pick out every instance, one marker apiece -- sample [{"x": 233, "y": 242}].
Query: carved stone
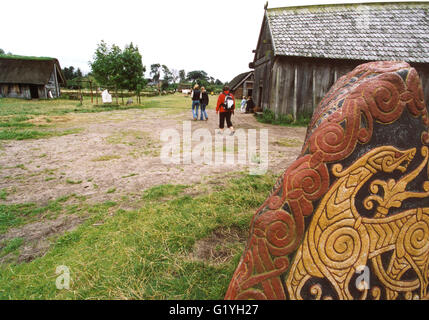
[{"x": 349, "y": 219}]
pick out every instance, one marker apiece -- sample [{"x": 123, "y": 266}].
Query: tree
[
  {"x": 106, "y": 64},
  {"x": 197, "y": 76},
  {"x": 132, "y": 70},
  {"x": 155, "y": 72},
  {"x": 112, "y": 66},
  {"x": 69, "y": 73},
  {"x": 1, "y": 51},
  {"x": 175, "y": 75},
  {"x": 182, "y": 75},
  {"x": 168, "y": 77}
]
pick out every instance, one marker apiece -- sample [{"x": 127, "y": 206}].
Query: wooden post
[
  {"x": 314, "y": 89},
  {"x": 80, "y": 90},
  {"x": 92, "y": 97},
  {"x": 116, "y": 91},
  {"x": 96, "y": 95},
  {"x": 122, "y": 94},
  {"x": 295, "y": 93}
]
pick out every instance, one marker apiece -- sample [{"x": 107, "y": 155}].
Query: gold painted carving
[{"x": 339, "y": 240}]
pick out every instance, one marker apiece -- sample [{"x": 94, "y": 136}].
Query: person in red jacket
[{"x": 225, "y": 111}]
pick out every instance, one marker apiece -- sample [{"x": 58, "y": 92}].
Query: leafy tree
[
  {"x": 132, "y": 69},
  {"x": 106, "y": 64},
  {"x": 197, "y": 76},
  {"x": 175, "y": 75},
  {"x": 182, "y": 75},
  {"x": 112, "y": 66},
  {"x": 155, "y": 72},
  {"x": 79, "y": 73},
  {"x": 69, "y": 73},
  {"x": 168, "y": 77},
  {"x": 1, "y": 51}
]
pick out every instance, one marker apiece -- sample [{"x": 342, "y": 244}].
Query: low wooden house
[
  {"x": 242, "y": 85},
  {"x": 30, "y": 78},
  {"x": 302, "y": 51}
]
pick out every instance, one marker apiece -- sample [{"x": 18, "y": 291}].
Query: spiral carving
[
  {"x": 373, "y": 93},
  {"x": 341, "y": 245}
]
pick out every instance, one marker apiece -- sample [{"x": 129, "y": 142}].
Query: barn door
[{"x": 34, "y": 91}]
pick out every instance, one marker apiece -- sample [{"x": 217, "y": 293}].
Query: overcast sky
[{"x": 215, "y": 36}]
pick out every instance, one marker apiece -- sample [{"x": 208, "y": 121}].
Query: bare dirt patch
[
  {"x": 116, "y": 156},
  {"x": 36, "y": 237},
  {"x": 220, "y": 246},
  {"x": 129, "y": 144}
]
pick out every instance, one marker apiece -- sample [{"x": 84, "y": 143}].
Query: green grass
[
  {"x": 144, "y": 253},
  {"x": 16, "y": 128},
  {"x": 11, "y": 246},
  {"x": 106, "y": 158},
  {"x": 289, "y": 142},
  {"x": 13, "y": 56},
  {"x": 69, "y": 181},
  {"x": 3, "y": 194},
  {"x": 62, "y": 106},
  {"x": 269, "y": 117},
  {"x": 15, "y": 215}
]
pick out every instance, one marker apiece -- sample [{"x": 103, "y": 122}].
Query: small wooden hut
[
  {"x": 30, "y": 77},
  {"x": 302, "y": 51},
  {"x": 242, "y": 85}
]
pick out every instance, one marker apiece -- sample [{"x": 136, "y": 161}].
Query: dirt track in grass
[{"x": 117, "y": 154}]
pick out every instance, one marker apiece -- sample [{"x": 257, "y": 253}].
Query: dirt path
[{"x": 118, "y": 153}]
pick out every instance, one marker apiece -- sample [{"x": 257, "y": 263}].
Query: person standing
[
  {"x": 243, "y": 105},
  {"x": 225, "y": 107},
  {"x": 250, "y": 105},
  {"x": 204, "y": 104},
  {"x": 196, "y": 98}
]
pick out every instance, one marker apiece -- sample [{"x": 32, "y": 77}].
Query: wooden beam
[
  {"x": 314, "y": 89},
  {"x": 295, "y": 93}
]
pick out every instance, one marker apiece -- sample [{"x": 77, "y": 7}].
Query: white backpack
[{"x": 228, "y": 104}]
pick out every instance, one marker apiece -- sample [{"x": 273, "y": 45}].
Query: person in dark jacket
[
  {"x": 224, "y": 113},
  {"x": 204, "y": 104},
  {"x": 250, "y": 105},
  {"x": 196, "y": 98}
]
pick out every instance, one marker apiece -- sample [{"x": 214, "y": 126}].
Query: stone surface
[{"x": 349, "y": 219}]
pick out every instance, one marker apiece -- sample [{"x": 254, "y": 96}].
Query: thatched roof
[
  {"x": 369, "y": 31},
  {"x": 29, "y": 70}
]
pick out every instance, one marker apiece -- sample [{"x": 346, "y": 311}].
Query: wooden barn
[
  {"x": 302, "y": 51},
  {"x": 30, "y": 78},
  {"x": 242, "y": 85}
]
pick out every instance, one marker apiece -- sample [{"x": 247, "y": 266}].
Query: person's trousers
[
  {"x": 203, "y": 112},
  {"x": 195, "y": 106},
  {"x": 225, "y": 116}
]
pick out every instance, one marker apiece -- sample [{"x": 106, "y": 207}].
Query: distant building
[
  {"x": 242, "y": 85},
  {"x": 30, "y": 77},
  {"x": 302, "y": 51}
]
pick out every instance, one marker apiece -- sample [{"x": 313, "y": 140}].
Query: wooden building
[
  {"x": 30, "y": 77},
  {"x": 242, "y": 85},
  {"x": 302, "y": 51}
]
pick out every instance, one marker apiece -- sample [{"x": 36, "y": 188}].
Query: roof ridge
[
  {"x": 343, "y": 5},
  {"x": 31, "y": 58}
]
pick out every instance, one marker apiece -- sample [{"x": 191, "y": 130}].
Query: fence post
[{"x": 92, "y": 97}]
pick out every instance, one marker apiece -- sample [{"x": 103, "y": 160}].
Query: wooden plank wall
[{"x": 297, "y": 85}]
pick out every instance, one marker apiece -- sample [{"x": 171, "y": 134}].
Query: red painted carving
[{"x": 374, "y": 91}]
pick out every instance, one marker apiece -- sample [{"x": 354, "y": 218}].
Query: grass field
[
  {"x": 173, "y": 240},
  {"x": 139, "y": 254}
]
